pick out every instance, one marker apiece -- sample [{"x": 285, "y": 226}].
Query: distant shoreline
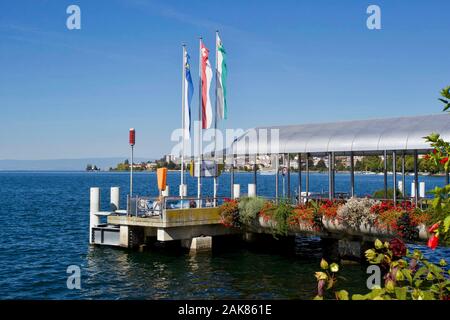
[{"x": 441, "y": 175}]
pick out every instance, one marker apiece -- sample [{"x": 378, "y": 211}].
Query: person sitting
[
  {"x": 192, "y": 204},
  {"x": 208, "y": 203}
]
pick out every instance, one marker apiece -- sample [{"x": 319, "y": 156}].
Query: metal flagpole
[
  {"x": 200, "y": 153},
  {"x": 183, "y": 115},
  {"x": 132, "y": 140},
  {"x": 215, "y": 129}
]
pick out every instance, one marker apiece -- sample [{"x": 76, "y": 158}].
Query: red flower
[
  {"x": 434, "y": 151},
  {"x": 433, "y": 242},
  {"x": 434, "y": 227},
  {"x": 444, "y": 160},
  {"x": 427, "y": 157},
  {"x": 398, "y": 247}
]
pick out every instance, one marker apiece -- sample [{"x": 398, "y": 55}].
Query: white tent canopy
[{"x": 360, "y": 136}]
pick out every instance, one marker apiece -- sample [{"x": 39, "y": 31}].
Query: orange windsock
[{"x": 162, "y": 177}]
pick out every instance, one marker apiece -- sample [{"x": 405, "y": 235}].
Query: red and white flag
[{"x": 206, "y": 75}]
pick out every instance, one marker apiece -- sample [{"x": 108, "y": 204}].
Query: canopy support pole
[
  {"x": 233, "y": 160},
  {"x": 307, "y": 177},
  {"x": 385, "y": 175},
  {"x": 416, "y": 179},
  {"x": 255, "y": 169},
  {"x": 394, "y": 175},
  {"x": 352, "y": 175},
  {"x": 299, "y": 163},
  {"x": 276, "y": 177},
  {"x": 289, "y": 176},
  {"x": 403, "y": 176},
  {"x": 333, "y": 175},
  {"x": 330, "y": 181}
]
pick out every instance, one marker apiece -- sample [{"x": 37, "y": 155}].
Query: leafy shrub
[
  {"x": 379, "y": 194},
  {"x": 281, "y": 216},
  {"x": 249, "y": 208},
  {"x": 406, "y": 276}
]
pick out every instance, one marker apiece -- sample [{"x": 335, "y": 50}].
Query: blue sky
[{"x": 75, "y": 94}]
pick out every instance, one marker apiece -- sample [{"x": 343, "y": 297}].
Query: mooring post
[
  {"x": 252, "y": 190},
  {"x": 94, "y": 220},
  {"x": 236, "y": 191},
  {"x": 115, "y": 198}
]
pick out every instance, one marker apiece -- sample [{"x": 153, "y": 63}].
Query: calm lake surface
[{"x": 44, "y": 219}]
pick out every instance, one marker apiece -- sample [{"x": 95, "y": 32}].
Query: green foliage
[
  {"x": 123, "y": 166},
  {"x": 379, "y": 194},
  {"x": 417, "y": 280},
  {"x": 369, "y": 163},
  {"x": 321, "y": 166},
  {"x": 280, "y": 216},
  {"x": 445, "y": 93},
  {"x": 249, "y": 208}
]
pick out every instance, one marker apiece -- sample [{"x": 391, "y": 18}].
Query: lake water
[{"x": 44, "y": 219}]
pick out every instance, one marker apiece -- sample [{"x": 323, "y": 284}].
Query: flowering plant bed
[
  {"x": 402, "y": 219},
  {"x": 329, "y": 209},
  {"x": 229, "y": 212},
  {"x": 305, "y": 216}
]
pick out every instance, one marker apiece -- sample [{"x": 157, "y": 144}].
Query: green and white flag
[{"x": 221, "y": 79}]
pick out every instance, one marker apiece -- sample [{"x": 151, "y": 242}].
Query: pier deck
[{"x": 171, "y": 218}]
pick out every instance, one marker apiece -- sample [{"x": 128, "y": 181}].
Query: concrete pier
[{"x": 194, "y": 229}]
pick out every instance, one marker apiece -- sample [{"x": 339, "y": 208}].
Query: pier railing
[{"x": 145, "y": 206}]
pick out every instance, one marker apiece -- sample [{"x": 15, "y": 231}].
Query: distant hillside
[{"x": 63, "y": 164}]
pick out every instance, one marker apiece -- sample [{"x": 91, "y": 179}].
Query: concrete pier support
[
  {"x": 94, "y": 220},
  {"x": 236, "y": 191},
  {"x": 131, "y": 237},
  {"x": 124, "y": 236},
  {"x": 197, "y": 244},
  {"x": 115, "y": 198},
  {"x": 252, "y": 190}
]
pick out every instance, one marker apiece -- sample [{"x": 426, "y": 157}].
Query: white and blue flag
[{"x": 188, "y": 92}]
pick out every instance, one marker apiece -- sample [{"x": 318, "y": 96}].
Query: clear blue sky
[{"x": 74, "y": 94}]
